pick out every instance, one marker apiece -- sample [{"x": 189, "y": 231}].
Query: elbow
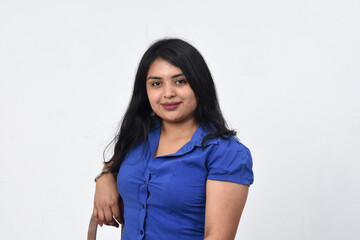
[{"x": 217, "y": 237}]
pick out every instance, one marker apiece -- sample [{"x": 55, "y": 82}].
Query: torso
[{"x": 165, "y": 196}]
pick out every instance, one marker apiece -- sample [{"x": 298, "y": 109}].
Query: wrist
[{"x": 103, "y": 172}]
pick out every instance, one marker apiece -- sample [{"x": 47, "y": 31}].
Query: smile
[{"x": 171, "y": 106}]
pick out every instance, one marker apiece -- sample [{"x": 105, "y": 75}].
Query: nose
[{"x": 169, "y": 91}]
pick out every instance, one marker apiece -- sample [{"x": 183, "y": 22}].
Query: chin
[{"x": 170, "y": 120}]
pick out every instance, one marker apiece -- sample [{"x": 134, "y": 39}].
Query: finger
[
  {"x": 95, "y": 215},
  {"x": 109, "y": 216},
  {"x": 101, "y": 217},
  {"x": 116, "y": 213},
  {"x": 114, "y": 223}
]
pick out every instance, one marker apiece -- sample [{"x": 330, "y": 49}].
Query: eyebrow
[{"x": 174, "y": 76}]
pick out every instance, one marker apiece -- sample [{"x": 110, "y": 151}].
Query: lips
[{"x": 171, "y": 105}]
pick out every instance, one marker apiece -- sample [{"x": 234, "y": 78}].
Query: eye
[
  {"x": 155, "y": 84},
  {"x": 180, "y": 81}
]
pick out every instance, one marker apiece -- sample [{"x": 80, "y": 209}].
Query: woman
[{"x": 181, "y": 173}]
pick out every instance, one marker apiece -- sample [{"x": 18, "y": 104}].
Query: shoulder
[
  {"x": 231, "y": 144},
  {"x": 229, "y": 151},
  {"x": 230, "y": 160}
]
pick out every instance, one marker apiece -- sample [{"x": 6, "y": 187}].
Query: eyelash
[
  {"x": 153, "y": 84},
  {"x": 183, "y": 81},
  {"x": 177, "y": 82}
]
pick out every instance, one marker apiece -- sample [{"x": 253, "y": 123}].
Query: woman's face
[{"x": 169, "y": 93}]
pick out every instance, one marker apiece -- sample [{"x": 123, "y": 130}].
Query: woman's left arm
[{"x": 225, "y": 202}]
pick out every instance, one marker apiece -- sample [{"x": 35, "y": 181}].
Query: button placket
[{"x": 143, "y": 205}]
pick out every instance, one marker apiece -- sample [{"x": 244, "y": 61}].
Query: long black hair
[{"x": 139, "y": 118}]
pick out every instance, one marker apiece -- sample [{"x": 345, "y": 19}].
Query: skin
[
  {"x": 106, "y": 202},
  {"x": 166, "y": 83},
  {"x": 225, "y": 201}
]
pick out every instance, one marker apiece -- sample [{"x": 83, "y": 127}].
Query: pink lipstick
[{"x": 171, "y": 105}]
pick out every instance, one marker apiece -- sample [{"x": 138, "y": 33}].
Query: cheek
[
  {"x": 153, "y": 97},
  {"x": 192, "y": 101}
]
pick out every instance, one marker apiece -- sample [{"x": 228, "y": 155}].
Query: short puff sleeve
[{"x": 231, "y": 161}]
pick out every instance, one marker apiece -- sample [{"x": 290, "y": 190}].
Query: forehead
[{"x": 162, "y": 67}]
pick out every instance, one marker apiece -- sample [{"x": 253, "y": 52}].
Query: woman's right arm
[{"x": 107, "y": 202}]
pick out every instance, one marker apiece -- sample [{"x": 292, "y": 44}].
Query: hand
[{"x": 107, "y": 202}]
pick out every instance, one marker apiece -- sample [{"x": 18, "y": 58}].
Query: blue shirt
[{"x": 164, "y": 197}]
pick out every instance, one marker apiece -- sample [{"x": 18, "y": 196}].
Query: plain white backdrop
[{"x": 287, "y": 75}]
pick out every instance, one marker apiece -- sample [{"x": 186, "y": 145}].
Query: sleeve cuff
[{"x": 229, "y": 178}]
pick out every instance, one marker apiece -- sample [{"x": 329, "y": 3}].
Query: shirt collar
[{"x": 195, "y": 140}]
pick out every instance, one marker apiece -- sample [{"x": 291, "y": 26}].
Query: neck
[{"x": 179, "y": 130}]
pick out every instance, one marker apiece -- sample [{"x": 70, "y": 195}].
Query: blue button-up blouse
[{"x": 164, "y": 197}]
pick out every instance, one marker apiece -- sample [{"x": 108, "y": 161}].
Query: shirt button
[
  {"x": 141, "y": 232},
  {"x": 142, "y": 206}
]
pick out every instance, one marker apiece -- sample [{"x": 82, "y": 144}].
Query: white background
[{"x": 287, "y": 75}]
